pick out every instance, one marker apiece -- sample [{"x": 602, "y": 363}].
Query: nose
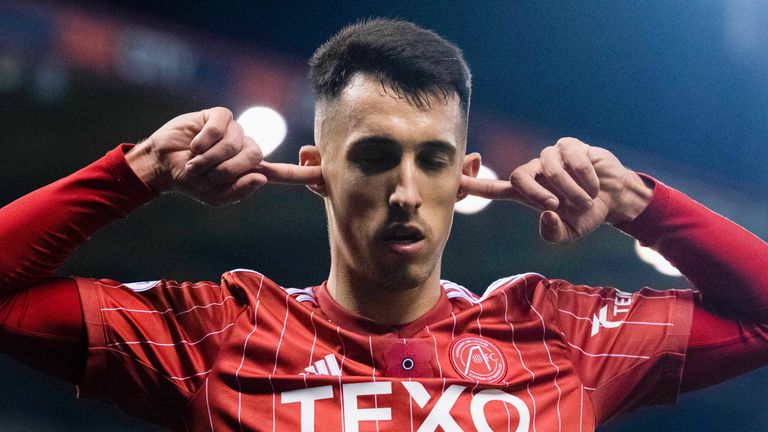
[{"x": 406, "y": 193}]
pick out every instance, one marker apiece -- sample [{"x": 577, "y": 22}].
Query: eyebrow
[{"x": 440, "y": 145}]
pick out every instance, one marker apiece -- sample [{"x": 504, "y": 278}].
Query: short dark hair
[{"x": 414, "y": 62}]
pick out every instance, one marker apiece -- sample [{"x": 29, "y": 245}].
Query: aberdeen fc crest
[{"x": 478, "y": 359}]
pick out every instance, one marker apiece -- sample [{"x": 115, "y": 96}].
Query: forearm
[
  {"x": 40, "y": 230},
  {"x": 723, "y": 260}
]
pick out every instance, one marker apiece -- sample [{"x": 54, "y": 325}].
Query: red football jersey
[{"x": 531, "y": 354}]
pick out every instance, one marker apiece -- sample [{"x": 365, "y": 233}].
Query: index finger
[
  {"x": 290, "y": 174},
  {"x": 491, "y": 189}
]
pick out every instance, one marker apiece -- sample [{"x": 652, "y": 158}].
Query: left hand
[{"x": 575, "y": 187}]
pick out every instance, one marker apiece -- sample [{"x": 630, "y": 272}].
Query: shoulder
[
  {"x": 518, "y": 290},
  {"x": 504, "y": 286},
  {"x": 258, "y": 287}
]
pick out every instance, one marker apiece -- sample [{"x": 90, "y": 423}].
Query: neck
[{"x": 385, "y": 303}]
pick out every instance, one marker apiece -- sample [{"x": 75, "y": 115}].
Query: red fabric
[
  {"x": 54, "y": 343},
  {"x": 242, "y": 352},
  {"x": 720, "y": 349},
  {"x": 40, "y": 317},
  {"x": 40, "y": 230},
  {"x": 43, "y": 327},
  {"x": 721, "y": 259}
]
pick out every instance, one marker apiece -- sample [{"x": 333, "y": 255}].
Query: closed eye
[
  {"x": 436, "y": 156},
  {"x": 374, "y": 155}
]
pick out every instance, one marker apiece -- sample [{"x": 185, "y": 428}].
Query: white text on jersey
[{"x": 438, "y": 417}]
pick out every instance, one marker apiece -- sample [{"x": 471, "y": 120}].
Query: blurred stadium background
[{"x": 675, "y": 89}]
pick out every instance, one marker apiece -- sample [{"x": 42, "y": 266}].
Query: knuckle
[
  {"x": 223, "y": 110},
  {"x": 516, "y": 176},
  {"x": 228, "y": 148},
  {"x": 565, "y": 142},
  {"x": 214, "y": 133},
  {"x": 581, "y": 167},
  {"x": 254, "y": 154},
  {"x": 553, "y": 173}
]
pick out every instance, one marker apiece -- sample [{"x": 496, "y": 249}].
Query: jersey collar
[{"x": 359, "y": 324}]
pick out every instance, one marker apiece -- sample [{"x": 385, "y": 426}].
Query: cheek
[
  {"x": 441, "y": 201},
  {"x": 357, "y": 202}
]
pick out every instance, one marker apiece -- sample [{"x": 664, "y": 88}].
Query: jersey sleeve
[
  {"x": 628, "y": 349},
  {"x": 152, "y": 344}
]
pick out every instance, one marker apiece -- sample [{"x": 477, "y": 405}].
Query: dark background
[{"x": 675, "y": 89}]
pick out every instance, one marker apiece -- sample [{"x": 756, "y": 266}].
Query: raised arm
[
  {"x": 203, "y": 155},
  {"x": 577, "y": 187},
  {"x": 39, "y": 313}
]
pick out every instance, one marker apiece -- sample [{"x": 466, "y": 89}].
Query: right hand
[{"x": 206, "y": 156}]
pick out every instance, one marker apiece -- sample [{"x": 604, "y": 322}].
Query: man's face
[{"x": 392, "y": 173}]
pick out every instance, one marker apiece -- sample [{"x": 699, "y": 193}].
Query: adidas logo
[{"x": 327, "y": 366}]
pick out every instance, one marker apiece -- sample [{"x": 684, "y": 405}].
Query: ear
[
  {"x": 309, "y": 155},
  {"x": 470, "y": 166}
]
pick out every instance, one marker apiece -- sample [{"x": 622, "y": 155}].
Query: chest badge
[{"x": 478, "y": 359}]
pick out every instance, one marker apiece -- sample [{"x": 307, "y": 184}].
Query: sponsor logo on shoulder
[{"x": 621, "y": 305}]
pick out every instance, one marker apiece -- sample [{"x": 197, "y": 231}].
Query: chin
[{"x": 401, "y": 278}]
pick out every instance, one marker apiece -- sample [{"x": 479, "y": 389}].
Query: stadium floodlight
[
  {"x": 265, "y": 125},
  {"x": 473, "y": 204},
  {"x": 656, "y": 260}
]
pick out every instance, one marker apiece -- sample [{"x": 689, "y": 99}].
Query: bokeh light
[
  {"x": 655, "y": 259},
  {"x": 266, "y": 126}
]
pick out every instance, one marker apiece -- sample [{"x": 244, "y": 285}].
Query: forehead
[{"x": 366, "y": 107}]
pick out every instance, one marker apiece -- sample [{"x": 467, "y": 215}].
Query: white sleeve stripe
[
  {"x": 190, "y": 376},
  {"x": 624, "y": 322},
  {"x": 303, "y": 295},
  {"x": 606, "y": 355},
  {"x": 457, "y": 294},
  {"x": 184, "y": 285},
  {"x": 602, "y": 294},
  {"x": 181, "y": 342},
  {"x": 244, "y": 270},
  {"x": 150, "y": 311},
  {"x": 306, "y": 298}
]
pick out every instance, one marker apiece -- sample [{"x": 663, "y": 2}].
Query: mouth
[{"x": 403, "y": 239}]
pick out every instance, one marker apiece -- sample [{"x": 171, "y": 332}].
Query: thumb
[{"x": 552, "y": 229}]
